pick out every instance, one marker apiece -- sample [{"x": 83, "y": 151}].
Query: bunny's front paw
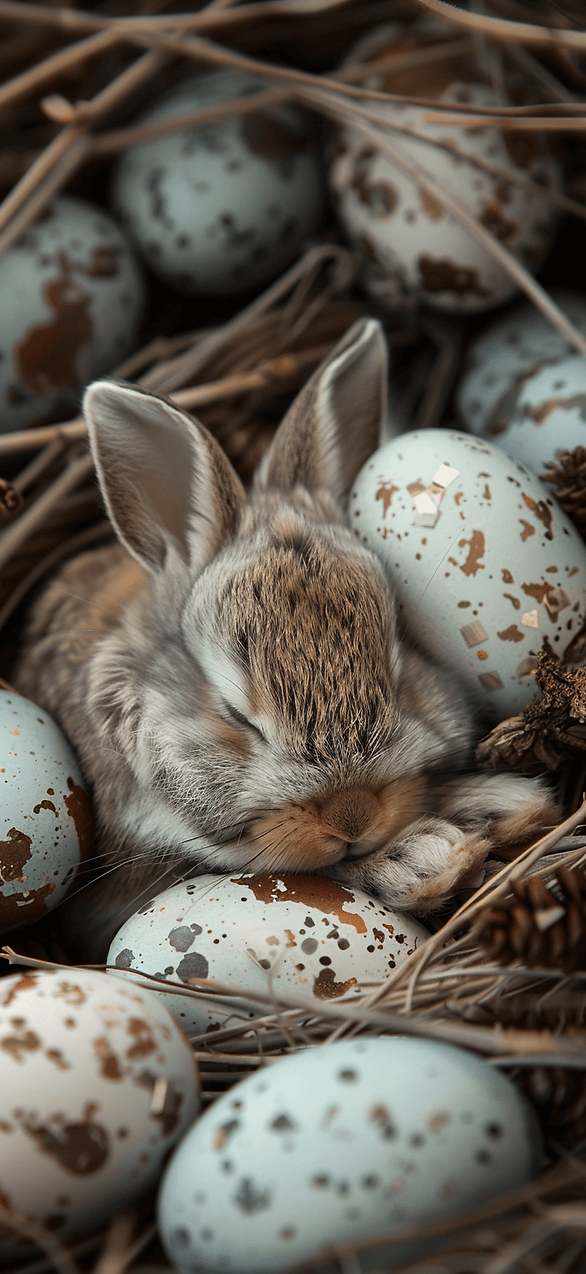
[{"x": 422, "y": 870}]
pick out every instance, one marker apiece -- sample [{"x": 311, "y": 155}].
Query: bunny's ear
[
  {"x": 171, "y": 492},
  {"x": 336, "y": 421}
]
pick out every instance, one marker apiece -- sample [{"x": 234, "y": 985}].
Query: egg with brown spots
[
  {"x": 98, "y": 1083},
  {"x": 222, "y": 207},
  {"x": 543, "y": 413},
  {"x": 339, "y": 1143},
  {"x": 299, "y": 934},
  {"x": 506, "y": 352},
  {"x": 486, "y": 567},
  {"x": 46, "y": 822},
  {"x": 415, "y": 250},
  {"x": 72, "y": 300}
]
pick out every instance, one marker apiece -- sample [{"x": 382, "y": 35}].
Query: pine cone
[
  {"x": 569, "y": 478},
  {"x": 551, "y": 727},
  {"x": 536, "y": 926}
]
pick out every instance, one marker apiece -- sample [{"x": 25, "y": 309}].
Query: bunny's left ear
[{"x": 336, "y": 421}]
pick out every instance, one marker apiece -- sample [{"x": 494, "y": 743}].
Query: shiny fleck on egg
[
  {"x": 543, "y": 413},
  {"x": 509, "y": 348},
  {"x": 98, "y": 1083},
  {"x": 45, "y": 823},
  {"x": 72, "y": 300},
  {"x": 304, "y": 934},
  {"x": 339, "y": 1143},
  {"x": 219, "y": 209},
  {"x": 486, "y": 567},
  {"x": 416, "y": 251}
]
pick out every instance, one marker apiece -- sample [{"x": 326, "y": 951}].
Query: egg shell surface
[
  {"x": 98, "y": 1082},
  {"x": 484, "y": 563},
  {"x": 416, "y": 251},
  {"x": 45, "y": 819},
  {"x": 305, "y": 934},
  {"x": 72, "y": 299},
  {"x": 338, "y": 1143},
  {"x": 514, "y": 345},
  {"x": 543, "y": 413},
  {"x": 222, "y": 208}
]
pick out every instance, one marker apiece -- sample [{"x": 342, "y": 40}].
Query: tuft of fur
[{"x": 232, "y": 675}]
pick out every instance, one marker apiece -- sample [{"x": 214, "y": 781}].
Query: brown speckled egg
[
  {"x": 45, "y": 818},
  {"x": 98, "y": 1083},
  {"x": 305, "y": 934},
  {"x": 415, "y": 250},
  {"x": 486, "y": 566},
  {"x": 72, "y": 299},
  {"x": 225, "y": 207}
]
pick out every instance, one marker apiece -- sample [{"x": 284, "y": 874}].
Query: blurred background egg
[
  {"x": 97, "y": 1084},
  {"x": 72, "y": 300},
  {"x": 226, "y": 207},
  {"x": 485, "y": 564},
  {"x": 340, "y": 1143},
  {"x": 45, "y": 819},
  {"x": 414, "y": 250},
  {"x": 309, "y": 933},
  {"x": 515, "y": 345},
  {"x": 543, "y": 413}
]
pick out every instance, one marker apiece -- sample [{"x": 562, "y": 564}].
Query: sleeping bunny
[{"x": 232, "y": 675}]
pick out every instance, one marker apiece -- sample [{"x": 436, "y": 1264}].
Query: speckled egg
[
  {"x": 45, "y": 819},
  {"x": 485, "y": 565},
  {"x": 98, "y": 1083},
  {"x": 543, "y": 413},
  {"x": 304, "y": 934},
  {"x": 415, "y": 250},
  {"x": 72, "y": 299},
  {"x": 343, "y": 1142},
  {"x": 226, "y": 207},
  {"x": 514, "y": 345}
]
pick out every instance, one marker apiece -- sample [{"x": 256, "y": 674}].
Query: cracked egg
[
  {"x": 414, "y": 249},
  {"x": 46, "y": 823},
  {"x": 304, "y": 934},
  {"x": 486, "y": 567},
  {"x": 72, "y": 300},
  {"x": 98, "y": 1083},
  {"x": 346, "y": 1141},
  {"x": 220, "y": 208}
]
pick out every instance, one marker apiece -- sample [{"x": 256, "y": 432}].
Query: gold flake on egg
[
  {"x": 474, "y": 633},
  {"x": 530, "y": 619}
]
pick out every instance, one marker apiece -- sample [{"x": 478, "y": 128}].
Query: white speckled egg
[
  {"x": 72, "y": 299},
  {"x": 484, "y": 563},
  {"x": 308, "y": 933},
  {"x": 222, "y": 208},
  {"x": 543, "y": 413},
  {"x": 415, "y": 250},
  {"x": 340, "y": 1143},
  {"x": 514, "y": 345},
  {"x": 45, "y": 819},
  {"x": 98, "y": 1083}
]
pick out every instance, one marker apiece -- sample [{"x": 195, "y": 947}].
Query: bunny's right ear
[
  {"x": 336, "y": 420},
  {"x": 170, "y": 490}
]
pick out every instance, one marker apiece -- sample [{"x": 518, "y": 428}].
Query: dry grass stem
[
  {"x": 505, "y": 30},
  {"x": 15, "y": 534},
  {"x": 27, "y": 1227},
  {"x": 75, "y": 544}
]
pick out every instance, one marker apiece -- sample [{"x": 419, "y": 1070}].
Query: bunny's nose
[{"x": 350, "y": 814}]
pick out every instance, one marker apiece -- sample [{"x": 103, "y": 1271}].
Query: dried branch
[{"x": 505, "y": 30}]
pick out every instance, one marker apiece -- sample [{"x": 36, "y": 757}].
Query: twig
[
  {"x": 85, "y": 539},
  {"x": 503, "y": 29},
  {"x": 31, "y": 1228},
  {"x": 55, "y": 64},
  {"x": 35, "y": 515}
]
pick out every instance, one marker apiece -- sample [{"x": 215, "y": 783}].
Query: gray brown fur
[{"x": 232, "y": 676}]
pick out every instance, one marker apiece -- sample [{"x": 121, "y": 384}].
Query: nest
[{"x": 489, "y": 979}]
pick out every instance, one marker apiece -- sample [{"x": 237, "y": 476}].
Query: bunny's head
[{"x": 258, "y": 692}]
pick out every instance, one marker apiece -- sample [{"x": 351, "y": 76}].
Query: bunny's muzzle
[{"x": 349, "y": 822}]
